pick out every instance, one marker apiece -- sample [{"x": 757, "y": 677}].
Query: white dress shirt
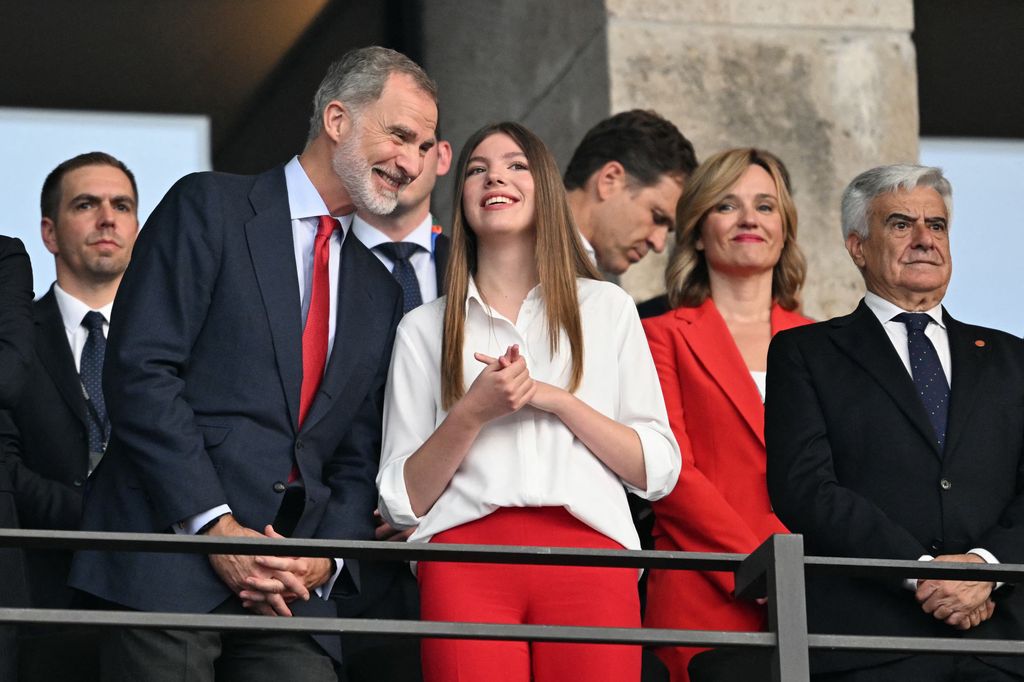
[
  {"x": 72, "y": 312},
  {"x": 305, "y": 207},
  {"x": 589, "y": 248},
  {"x": 422, "y": 261},
  {"x": 885, "y": 311},
  {"x": 528, "y": 458}
]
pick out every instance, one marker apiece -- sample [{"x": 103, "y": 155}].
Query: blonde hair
[
  {"x": 686, "y": 278},
  {"x": 560, "y": 260}
]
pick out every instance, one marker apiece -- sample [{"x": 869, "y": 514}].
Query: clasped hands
[
  {"x": 505, "y": 386},
  {"x": 962, "y": 604},
  {"x": 266, "y": 584}
]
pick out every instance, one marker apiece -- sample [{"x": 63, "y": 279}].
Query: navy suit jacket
[
  {"x": 853, "y": 465},
  {"x": 47, "y": 442},
  {"x": 202, "y": 379}
]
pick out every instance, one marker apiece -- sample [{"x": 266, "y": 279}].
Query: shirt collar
[
  {"x": 304, "y": 201},
  {"x": 886, "y": 310},
  {"x": 72, "y": 310},
  {"x": 473, "y": 294},
  {"x": 370, "y": 236},
  {"x": 589, "y": 248}
]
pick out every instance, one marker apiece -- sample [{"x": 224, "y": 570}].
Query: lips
[
  {"x": 748, "y": 239},
  {"x": 393, "y": 180}
]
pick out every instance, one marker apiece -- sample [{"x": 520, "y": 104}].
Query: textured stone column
[{"x": 830, "y": 87}]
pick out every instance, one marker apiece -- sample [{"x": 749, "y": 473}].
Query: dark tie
[
  {"x": 91, "y": 371},
  {"x": 926, "y": 369},
  {"x": 400, "y": 253}
]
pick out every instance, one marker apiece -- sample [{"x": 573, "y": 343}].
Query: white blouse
[{"x": 528, "y": 458}]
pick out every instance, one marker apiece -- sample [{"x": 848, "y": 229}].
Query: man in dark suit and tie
[
  {"x": 409, "y": 242},
  {"x": 244, "y": 379},
  {"x": 55, "y": 435},
  {"x": 897, "y": 432}
]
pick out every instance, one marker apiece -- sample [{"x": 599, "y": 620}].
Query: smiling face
[
  {"x": 498, "y": 192},
  {"x": 632, "y": 220},
  {"x": 385, "y": 143},
  {"x": 743, "y": 233},
  {"x": 905, "y": 258},
  {"x": 94, "y": 228}
]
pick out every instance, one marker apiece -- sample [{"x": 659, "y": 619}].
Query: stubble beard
[{"x": 356, "y": 174}]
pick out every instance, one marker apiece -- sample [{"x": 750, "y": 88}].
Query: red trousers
[{"x": 536, "y": 595}]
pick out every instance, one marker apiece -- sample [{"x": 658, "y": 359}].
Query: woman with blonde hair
[
  {"x": 517, "y": 407},
  {"x": 733, "y": 281}
]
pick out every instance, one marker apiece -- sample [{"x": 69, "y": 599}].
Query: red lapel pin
[{"x": 980, "y": 343}]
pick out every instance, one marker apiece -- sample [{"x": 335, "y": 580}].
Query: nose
[
  {"x": 748, "y": 217},
  {"x": 658, "y": 238},
  {"x": 922, "y": 235},
  {"x": 410, "y": 163},
  {"x": 494, "y": 176},
  {"x": 106, "y": 214}
]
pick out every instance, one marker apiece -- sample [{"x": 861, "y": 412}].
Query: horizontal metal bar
[
  {"x": 406, "y": 628},
  {"x": 940, "y": 645},
  {"x": 882, "y": 568},
  {"x": 376, "y": 551}
]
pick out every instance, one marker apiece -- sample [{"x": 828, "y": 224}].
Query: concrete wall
[{"x": 828, "y": 86}]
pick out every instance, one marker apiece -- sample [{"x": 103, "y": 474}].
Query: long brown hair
[
  {"x": 559, "y": 253},
  {"x": 686, "y": 278}
]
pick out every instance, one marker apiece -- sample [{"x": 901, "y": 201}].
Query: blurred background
[{"x": 832, "y": 86}]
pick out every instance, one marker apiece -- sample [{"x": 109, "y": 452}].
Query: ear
[
  {"x": 444, "y": 157},
  {"x": 855, "y": 247},
  {"x": 609, "y": 179},
  {"x": 337, "y": 120},
  {"x": 48, "y": 230}
]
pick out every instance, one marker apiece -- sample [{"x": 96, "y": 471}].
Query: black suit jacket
[
  {"x": 202, "y": 379},
  {"x": 853, "y": 466},
  {"x": 15, "y": 318},
  {"x": 46, "y": 438}
]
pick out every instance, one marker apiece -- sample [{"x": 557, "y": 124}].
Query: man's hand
[
  {"x": 279, "y": 581},
  {"x": 385, "y": 531},
  {"x": 962, "y": 604}
]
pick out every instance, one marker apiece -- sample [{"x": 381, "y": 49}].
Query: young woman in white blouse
[{"x": 563, "y": 408}]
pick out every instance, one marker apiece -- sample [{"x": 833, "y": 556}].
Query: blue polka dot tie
[
  {"x": 91, "y": 371},
  {"x": 926, "y": 369},
  {"x": 400, "y": 253}
]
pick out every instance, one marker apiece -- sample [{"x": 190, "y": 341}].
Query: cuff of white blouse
[
  {"x": 661, "y": 463},
  {"x": 394, "y": 502}
]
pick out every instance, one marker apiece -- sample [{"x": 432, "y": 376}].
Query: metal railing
[{"x": 776, "y": 570}]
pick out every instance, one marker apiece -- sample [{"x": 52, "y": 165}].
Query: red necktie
[{"x": 314, "y": 336}]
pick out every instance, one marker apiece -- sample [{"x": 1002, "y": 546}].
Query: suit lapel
[
  {"x": 55, "y": 356},
  {"x": 269, "y": 237},
  {"x": 441, "y": 248},
  {"x": 967, "y": 359},
  {"x": 861, "y": 336},
  {"x": 712, "y": 344},
  {"x": 358, "y": 328}
]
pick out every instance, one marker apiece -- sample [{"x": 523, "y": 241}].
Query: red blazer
[{"x": 721, "y": 501}]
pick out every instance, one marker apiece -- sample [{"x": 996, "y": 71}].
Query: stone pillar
[{"x": 830, "y": 87}]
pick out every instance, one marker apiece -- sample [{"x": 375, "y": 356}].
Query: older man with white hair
[{"x": 897, "y": 432}]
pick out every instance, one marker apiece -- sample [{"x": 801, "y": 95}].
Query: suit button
[
  {"x": 298, "y": 445},
  {"x": 945, "y": 484},
  {"x": 78, "y": 483},
  {"x": 279, "y": 487}
]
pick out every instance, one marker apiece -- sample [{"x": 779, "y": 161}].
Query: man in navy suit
[
  {"x": 54, "y": 436},
  {"x": 244, "y": 378},
  {"x": 897, "y": 432}
]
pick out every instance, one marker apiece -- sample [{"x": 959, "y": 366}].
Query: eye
[
  {"x": 766, "y": 208},
  {"x": 124, "y": 208},
  {"x": 900, "y": 225},
  {"x": 519, "y": 165},
  {"x": 83, "y": 205},
  {"x": 473, "y": 170},
  {"x": 724, "y": 207}
]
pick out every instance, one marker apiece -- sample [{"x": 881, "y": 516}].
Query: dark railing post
[{"x": 776, "y": 569}]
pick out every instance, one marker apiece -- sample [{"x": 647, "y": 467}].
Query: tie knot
[
  {"x": 915, "y": 322},
  {"x": 93, "y": 321},
  {"x": 398, "y": 251},
  {"x": 326, "y": 226}
]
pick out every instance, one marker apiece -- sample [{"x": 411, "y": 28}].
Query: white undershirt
[{"x": 72, "y": 312}]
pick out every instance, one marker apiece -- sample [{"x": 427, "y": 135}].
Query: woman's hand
[
  {"x": 549, "y": 398},
  {"x": 503, "y": 387}
]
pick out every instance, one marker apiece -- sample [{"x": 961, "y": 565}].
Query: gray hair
[
  {"x": 358, "y": 78},
  {"x": 859, "y": 194}
]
